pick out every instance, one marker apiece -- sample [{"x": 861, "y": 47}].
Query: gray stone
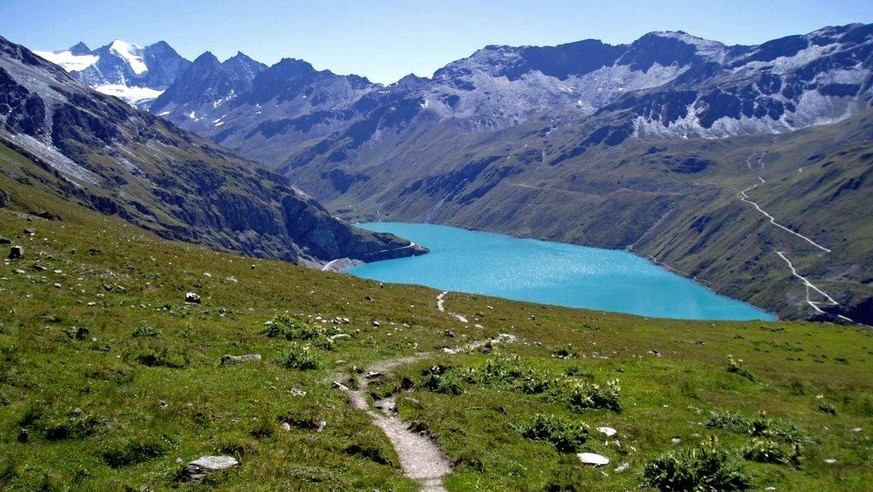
[
  {"x": 197, "y": 470},
  {"x": 29, "y": 232},
  {"x": 23, "y": 435},
  {"x": 228, "y": 359},
  {"x": 16, "y": 252},
  {"x": 593, "y": 459},
  {"x": 192, "y": 298},
  {"x": 5, "y": 198}
]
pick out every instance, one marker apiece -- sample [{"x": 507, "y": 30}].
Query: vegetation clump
[
  {"x": 284, "y": 326},
  {"x": 567, "y": 437},
  {"x": 299, "y": 357},
  {"x": 761, "y": 426},
  {"x": 702, "y": 468},
  {"x": 145, "y": 330},
  {"x": 585, "y": 395},
  {"x": 735, "y": 366},
  {"x": 768, "y": 451}
]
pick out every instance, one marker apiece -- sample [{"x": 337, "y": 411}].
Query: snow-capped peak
[
  {"x": 67, "y": 60},
  {"x": 131, "y": 53}
]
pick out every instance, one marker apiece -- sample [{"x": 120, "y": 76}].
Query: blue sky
[{"x": 387, "y": 39}]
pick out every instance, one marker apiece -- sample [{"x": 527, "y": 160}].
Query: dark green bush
[
  {"x": 760, "y": 426},
  {"x": 703, "y": 468},
  {"x": 767, "y": 451},
  {"x": 441, "y": 379},
  {"x": 584, "y": 395},
  {"x": 299, "y": 357},
  {"x": 567, "y": 437}
]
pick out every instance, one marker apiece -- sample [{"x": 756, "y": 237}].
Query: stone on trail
[
  {"x": 197, "y": 470},
  {"x": 593, "y": 459}
]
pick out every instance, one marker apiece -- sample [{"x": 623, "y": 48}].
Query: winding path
[
  {"x": 809, "y": 285},
  {"x": 420, "y": 457}
]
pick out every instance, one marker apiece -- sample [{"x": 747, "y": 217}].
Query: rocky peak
[{"x": 80, "y": 48}]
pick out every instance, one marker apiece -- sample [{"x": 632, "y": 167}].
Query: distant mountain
[
  {"x": 135, "y": 74},
  {"x": 95, "y": 150},
  {"x": 645, "y": 146}
]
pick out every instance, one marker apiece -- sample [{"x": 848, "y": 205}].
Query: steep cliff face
[{"x": 101, "y": 152}]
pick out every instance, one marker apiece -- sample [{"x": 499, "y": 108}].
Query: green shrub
[
  {"x": 283, "y": 326},
  {"x": 441, "y": 379},
  {"x": 584, "y": 395},
  {"x": 161, "y": 358},
  {"x": 566, "y": 351},
  {"x": 760, "y": 426},
  {"x": 703, "y": 468},
  {"x": 146, "y": 331},
  {"x": 767, "y": 451},
  {"x": 735, "y": 366},
  {"x": 566, "y": 436},
  {"x": 299, "y": 357}
]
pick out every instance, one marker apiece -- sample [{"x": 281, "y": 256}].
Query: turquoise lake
[{"x": 549, "y": 273}]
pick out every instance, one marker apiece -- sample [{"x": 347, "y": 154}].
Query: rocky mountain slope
[
  {"x": 95, "y": 150},
  {"x": 645, "y": 146},
  {"x": 135, "y": 74}
]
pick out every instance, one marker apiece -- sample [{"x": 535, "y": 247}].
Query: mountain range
[
  {"x": 60, "y": 136},
  {"x": 682, "y": 149}
]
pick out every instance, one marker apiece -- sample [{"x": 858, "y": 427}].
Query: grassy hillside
[{"x": 118, "y": 380}]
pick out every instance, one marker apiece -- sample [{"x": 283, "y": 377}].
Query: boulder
[
  {"x": 197, "y": 470},
  {"x": 192, "y": 298},
  {"x": 5, "y": 199},
  {"x": 229, "y": 359},
  {"x": 16, "y": 252},
  {"x": 593, "y": 459}
]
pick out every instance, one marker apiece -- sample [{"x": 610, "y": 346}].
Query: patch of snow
[
  {"x": 56, "y": 159},
  {"x": 131, "y": 53},
  {"x": 67, "y": 60},
  {"x": 131, "y": 95},
  {"x": 163, "y": 113}
]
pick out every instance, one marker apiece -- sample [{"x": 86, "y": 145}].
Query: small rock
[
  {"x": 50, "y": 216},
  {"x": 770, "y": 488},
  {"x": 321, "y": 426},
  {"x": 19, "y": 271},
  {"x": 656, "y": 353},
  {"x": 340, "y": 386},
  {"x": 286, "y": 426},
  {"x": 830, "y": 461},
  {"x": 857, "y": 429},
  {"x": 297, "y": 392},
  {"x": 676, "y": 440},
  {"x": 163, "y": 405},
  {"x": 368, "y": 298},
  {"x": 340, "y": 335},
  {"x": 16, "y": 252},
  {"x": 39, "y": 268},
  {"x": 372, "y": 374},
  {"x": 29, "y": 232},
  {"x": 608, "y": 431},
  {"x": 593, "y": 459},
  {"x": 179, "y": 460},
  {"x": 622, "y": 467},
  {"x": 4, "y": 240},
  {"x": 227, "y": 359},
  {"x": 57, "y": 286},
  {"x": 23, "y": 435},
  {"x": 192, "y": 298},
  {"x": 377, "y": 324},
  {"x": 199, "y": 468}
]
